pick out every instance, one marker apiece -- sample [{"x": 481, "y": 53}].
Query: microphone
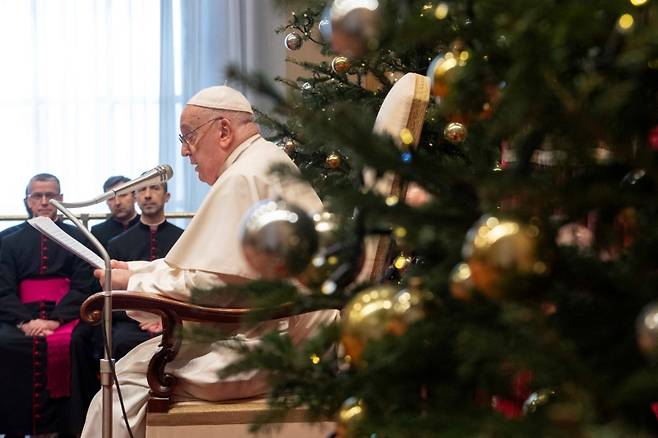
[{"x": 157, "y": 175}]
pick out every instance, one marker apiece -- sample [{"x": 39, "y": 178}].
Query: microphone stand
[
  {"x": 106, "y": 362},
  {"x": 157, "y": 175}
]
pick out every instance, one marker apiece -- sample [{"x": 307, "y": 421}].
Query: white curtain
[
  {"x": 210, "y": 36},
  {"x": 93, "y": 88},
  {"x": 79, "y": 93}
]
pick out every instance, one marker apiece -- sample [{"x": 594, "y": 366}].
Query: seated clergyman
[{"x": 41, "y": 289}]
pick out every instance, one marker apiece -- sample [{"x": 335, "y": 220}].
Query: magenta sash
[{"x": 59, "y": 360}]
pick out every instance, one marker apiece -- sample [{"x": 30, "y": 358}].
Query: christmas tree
[{"x": 521, "y": 248}]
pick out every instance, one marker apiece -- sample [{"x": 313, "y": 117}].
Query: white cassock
[{"x": 209, "y": 245}]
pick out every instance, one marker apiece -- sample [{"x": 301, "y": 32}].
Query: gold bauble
[
  {"x": 332, "y": 161},
  {"x": 351, "y": 412},
  {"x": 341, "y": 64},
  {"x": 378, "y": 311},
  {"x": 366, "y": 317},
  {"x": 497, "y": 250},
  {"x": 442, "y": 71},
  {"x": 455, "y": 132}
]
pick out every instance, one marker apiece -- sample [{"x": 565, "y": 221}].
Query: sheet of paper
[{"x": 50, "y": 229}]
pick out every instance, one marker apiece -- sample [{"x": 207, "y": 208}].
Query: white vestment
[{"x": 209, "y": 245}]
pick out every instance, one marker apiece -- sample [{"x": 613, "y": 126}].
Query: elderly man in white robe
[{"x": 220, "y": 137}]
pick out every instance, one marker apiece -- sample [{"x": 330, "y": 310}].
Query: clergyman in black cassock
[
  {"x": 141, "y": 242},
  {"x": 42, "y": 286}
]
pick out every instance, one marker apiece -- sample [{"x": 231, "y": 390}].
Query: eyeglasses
[
  {"x": 186, "y": 138},
  {"x": 38, "y": 196}
]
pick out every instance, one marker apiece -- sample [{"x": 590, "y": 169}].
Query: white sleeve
[{"x": 160, "y": 278}]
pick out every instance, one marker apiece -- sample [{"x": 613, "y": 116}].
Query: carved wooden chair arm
[{"x": 172, "y": 312}]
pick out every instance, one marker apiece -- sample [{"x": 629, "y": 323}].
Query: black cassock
[
  {"x": 8, "y": 231},
  {"x": 140, "y": 242},
  {"x": 34, "y": 373},
  {"x": 111, "y": 228},
  {"x": 137, "y": 243}
]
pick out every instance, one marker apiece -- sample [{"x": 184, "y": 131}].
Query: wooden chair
[
  {"x": 168, "y": 419},
  {"x": 403, "y": 108}
]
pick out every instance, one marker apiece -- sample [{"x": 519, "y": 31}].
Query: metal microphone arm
[
  {"x": 105, "y": 363},
  {"x": 157, "y": 175}
]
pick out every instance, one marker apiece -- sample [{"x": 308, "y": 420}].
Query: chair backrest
[{"x": 403, "y": 108}]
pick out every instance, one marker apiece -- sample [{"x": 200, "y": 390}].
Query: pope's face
[{"x": 201, "y": 143}]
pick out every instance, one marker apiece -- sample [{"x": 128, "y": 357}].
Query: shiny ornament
[
  {"x": 647, "y": 331},
  {"x": 537, "y": 399},
  {"x": 368, "y": 316},
  {"x": 497, "y": 250},
  {"x": 340, "y": 65},
  {"x": 307, "y": 87},
  {"x": 355, "y": 26},
  {"x": 278, "y": 239},
  {"x": 378, "y": 311},
  {"x": 293, "y": 41},
  {"x": 287, "y": 145},
  {"x": 442, "y": 71},
  {"x": 461, "y": 282},
  {"x": 333, "y": 161},
  {"x": 455, "y": 133},
  {"x": 351, "y": 413}
]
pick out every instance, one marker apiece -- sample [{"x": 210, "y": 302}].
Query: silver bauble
[
  {"x": 455, "y": 133},
  {"x": 293, "y": 41},
  {"x": 278, "y": 239}
]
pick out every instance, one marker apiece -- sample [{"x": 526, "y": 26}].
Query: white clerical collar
[{"x": 233, "y": 156}]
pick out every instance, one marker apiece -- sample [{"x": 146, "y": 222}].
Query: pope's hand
[{"x": 120, "y": 275}]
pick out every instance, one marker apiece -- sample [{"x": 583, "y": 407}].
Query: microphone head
[{"x": 165, "y": 171}]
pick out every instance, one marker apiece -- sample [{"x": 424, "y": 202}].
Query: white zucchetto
[{"x": 221, "y": 97}]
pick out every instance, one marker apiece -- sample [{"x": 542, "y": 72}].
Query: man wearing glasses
[
  {"x": 223, "y": 143},
  {"x": 41, "y": 288}
]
